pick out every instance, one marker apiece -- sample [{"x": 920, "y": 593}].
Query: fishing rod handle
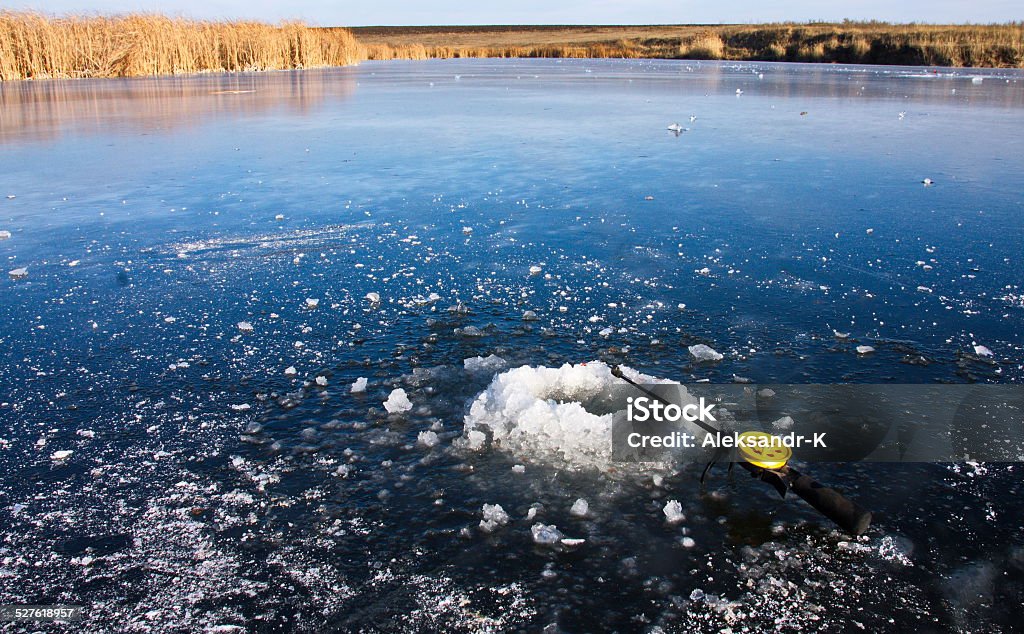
[{"x": 831, "y": 503}]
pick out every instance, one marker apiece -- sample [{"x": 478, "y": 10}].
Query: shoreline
[{"x": 36, "y": 46}]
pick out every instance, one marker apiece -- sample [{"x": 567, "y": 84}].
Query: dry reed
[{"x": 35, "y": 46}]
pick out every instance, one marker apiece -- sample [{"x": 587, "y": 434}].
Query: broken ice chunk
[
  {"x": 494, "y": 518},
  {"x": 982, "y": 351},
  {"x": 63, "y": 454},
  {"x": 573, "y": 542},
  {"x": 291, "y": 371},
  {"x": 865, "y": 349},
  {"x": 312, "y": 303},
  {"x": 703, "y": 354},
  {"x": 18, "y": 273},
  {"x": 580, "y": 508},
  {"x": 245, "y": 326},
  {"x": 786, "y": 422},
  {"x": 535, "y": 270},
  {"x": 397, "y": 402},
  {"x": 5, "y": 235},
  {"x": 673, "y": 512},
  {"x": 482, "y": 365},
  {"x": 321, "y": 381},
  {"x": 546, "y": 534},
  {"x": 359, "y": 385},
  {"x": 427, "y": 439},
  {"x": 374, "y": 298}
]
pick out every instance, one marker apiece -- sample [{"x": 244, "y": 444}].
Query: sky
[{"x": 428, "y": 12}]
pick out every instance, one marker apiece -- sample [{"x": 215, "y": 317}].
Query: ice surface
[
  {"x": 359, "y": 385},
  {"x": 673, "y": 512},
  {"x": 580, "y": 508},
  {"x": 546, "y": 534},
  {"x": 494, "y": 518},
  {"x": 542, "y": 412},
  {"x": 397, "y": 402},
  {"x": 702, "y": 353}
]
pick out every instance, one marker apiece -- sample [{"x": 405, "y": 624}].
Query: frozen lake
[{"x": 188, "y": 255}]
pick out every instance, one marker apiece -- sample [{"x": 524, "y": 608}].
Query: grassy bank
[
  {"x": 848, "y": 42},
  {"x": 34, "y": 46}
]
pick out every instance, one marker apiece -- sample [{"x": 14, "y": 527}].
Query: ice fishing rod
[{"x": 769, "y": 464}]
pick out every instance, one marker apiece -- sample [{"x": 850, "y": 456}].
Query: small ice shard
[
  {"x": 687, "y": 542},
  {"x": 535, "y": 270},
  {"x": 470, "y": 331},
  {"x": 739, "y": 92},
  {"x": 518, "y": 468},
  {"x": 359, "y": 386},
  {"x": 494, "y": 518},
  {"x": 10, "y": 196},
  {"x": 374, "y": 298},
  {"x": 982, "y": 351},
  {"x": 321, "y": 381},
  {"x": 869, "y": 231},
  {"x": 546, "y": 534},
  {"x": 5, "y": 235},
  {"x": 673, "y": 512},
  {"x": 312, "y": 303},
  {"x": 702, "y": 353},
  {"x": 427, "y": 439},
  {"x": 902, "y": 114},
  {"x": 786, "y": 422},
  {"x": 397, "y": 402},
  {"x": 63, "y": 454},
  {"x": 841, "y": 335},
  {"x": 928, "y": 182},
  {"x": 977, "y": 80},
  {"x": 242, "y": 407},
  {"x": 675, "y": 127},
  {"x": 170, "y": 320},
  {"x": 693, "y": 118},
  {"x": 529, "y": 316},
  {"x": 580, "y": 508},
  {"x": 648, "y": 197},
  {"x": 279, "y": 217},
  {"x": 18, "y": 273},
  {"x": 467, "y": 230},
  {"x": 291, "y": 371},
  {"x": 704, "y": 271},
  {"x": 573, "y": 542},
  {"x": 865, "y": 349},
  {"x": 245, "y": 326}
]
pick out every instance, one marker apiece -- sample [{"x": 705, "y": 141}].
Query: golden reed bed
[{"x": 35, "y": 46}]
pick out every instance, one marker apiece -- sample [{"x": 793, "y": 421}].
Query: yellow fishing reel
[{"x": 757, "y": 448}]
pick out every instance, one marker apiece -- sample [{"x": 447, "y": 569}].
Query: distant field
[{"x": 848, "y": 42}]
